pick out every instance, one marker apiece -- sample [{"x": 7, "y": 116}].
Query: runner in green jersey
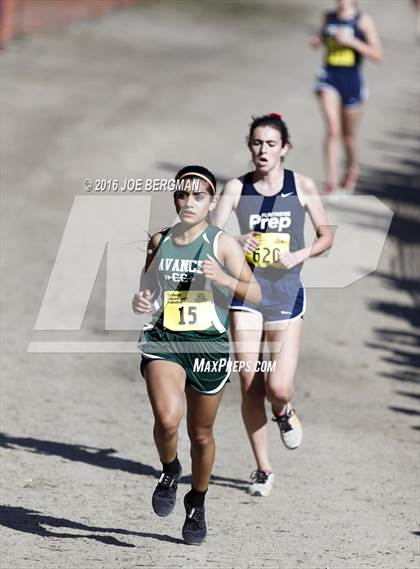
[{"x": 192, "y": 270}]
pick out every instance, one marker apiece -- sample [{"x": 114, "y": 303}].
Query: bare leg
[
  {"x": 201, "y": 414},
  {"x": 247, "y": 334},
  {"x": 351, "y": 120},
  {"x": 331, "y": 108},
  {"x": 279, "y": 386},
  {"x": 165, "y": 385}
]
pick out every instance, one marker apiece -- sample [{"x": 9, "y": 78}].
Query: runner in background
[
  {"x": 348, "y": 36},
  {"x": 270, "y": 204},
  {"x": 192, "y": 270}
]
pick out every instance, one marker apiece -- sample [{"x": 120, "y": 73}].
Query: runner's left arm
[
  {"x": 311, "y": 200},
  {"x": 371, "y": 47},
  {"x": 314, "y": 206},
  {"x": 238, "y": 276}
]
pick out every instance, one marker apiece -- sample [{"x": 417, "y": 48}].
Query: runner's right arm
[
  {"x": 228, "y": 202},
  {"x": 142, "y": 301},
  {"x": 318, "y": 39}
]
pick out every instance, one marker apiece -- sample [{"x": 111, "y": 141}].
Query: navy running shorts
[
  {"x": 282, "y": 299},
  {"x": 349, "y": 83}
]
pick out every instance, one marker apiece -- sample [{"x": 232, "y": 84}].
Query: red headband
[{"x": 275, "y": 115}]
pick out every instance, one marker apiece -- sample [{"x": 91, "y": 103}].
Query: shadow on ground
[
  {"x": 79, "y": 453},
  {"x": 32, "y": 521},
  {"x": 101, "y": 458},
  {"x": 399, "y": 188}
]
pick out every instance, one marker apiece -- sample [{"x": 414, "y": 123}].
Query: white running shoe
[
  {"x": 290, "y": 428},
  {"x": 262, "y": 483}
]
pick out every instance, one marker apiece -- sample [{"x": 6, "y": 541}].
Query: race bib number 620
[{"x": 271, "y": 245}]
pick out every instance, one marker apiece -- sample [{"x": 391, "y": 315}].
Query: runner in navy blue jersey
[
  {"x": 348, "y": 36},
  {"x": 270, "y": 203}
]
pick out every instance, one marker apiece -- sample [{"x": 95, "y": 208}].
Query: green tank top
[{"x": 187, "y": 301}]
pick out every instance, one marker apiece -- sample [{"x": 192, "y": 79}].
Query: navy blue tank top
[
  {"x": 338, "y": 55},
  {"x": 280, "y": 213}
]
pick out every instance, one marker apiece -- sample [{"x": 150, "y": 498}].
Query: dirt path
[{"x": 138, "y": 93}]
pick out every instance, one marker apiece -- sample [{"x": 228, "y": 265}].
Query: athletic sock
[
  {"x": 173, "y": 467},
  {"x": 195, "y": 498}
]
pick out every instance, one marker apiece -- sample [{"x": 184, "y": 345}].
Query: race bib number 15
[{"x": 187, "y": 310}]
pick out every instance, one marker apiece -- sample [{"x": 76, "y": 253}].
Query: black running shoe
[
  {"x": 194, "y": 530},
  {"x": 164, "y": 496}
]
